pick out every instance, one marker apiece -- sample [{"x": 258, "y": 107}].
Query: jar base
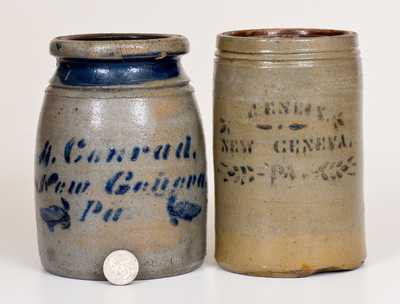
[
  {"x": 140, "y": 277},
  {"x": 301, "y": 273}
]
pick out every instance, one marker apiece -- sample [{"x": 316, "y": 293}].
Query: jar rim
[
  {"x": 118, "y": 45},
  {"x": 286, "y": 40}
]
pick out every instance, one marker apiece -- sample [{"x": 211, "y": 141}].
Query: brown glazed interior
[
  {"x": 114, "y": 37},
  {"x": 286, "y": 33}
]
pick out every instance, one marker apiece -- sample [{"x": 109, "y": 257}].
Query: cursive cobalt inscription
[
  {"x": 116, "y": 183},
  {"x": 53, "y": 182},
  {"x": 77, "y": 151},
  {"x": 123, "y": 182}
]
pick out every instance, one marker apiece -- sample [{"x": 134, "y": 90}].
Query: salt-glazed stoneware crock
[
  {"x": 120, "y": 160},
  {"x": 288, "y": 152}
]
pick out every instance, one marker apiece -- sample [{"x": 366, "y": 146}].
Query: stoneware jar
[
  {"x": 120, "y": 160},
  {"x": 288, "y": 152}
]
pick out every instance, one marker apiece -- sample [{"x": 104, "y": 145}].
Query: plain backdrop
[{"x": 26, "y": 27}]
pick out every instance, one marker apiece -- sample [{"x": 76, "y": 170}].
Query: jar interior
[
  {"x": 116, "y": 37},
  {"x": 286, "y": 33}
]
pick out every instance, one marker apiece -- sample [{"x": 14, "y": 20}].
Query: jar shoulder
[{"x": 105, "y": 113}]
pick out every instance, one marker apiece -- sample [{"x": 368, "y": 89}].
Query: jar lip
[
  {"x": 286, "y": 40},
  {"x": 117, "y": 46}
]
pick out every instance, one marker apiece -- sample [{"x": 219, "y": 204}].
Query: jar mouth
[
  {"x": 286, "y": 33},
  {"x": 116, "y": 46},
  {"x": 286, "y": 40}
]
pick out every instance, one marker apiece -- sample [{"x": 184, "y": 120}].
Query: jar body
[
  {"x": 288, "y": 161},
  {"x": 120, "y": 167}
]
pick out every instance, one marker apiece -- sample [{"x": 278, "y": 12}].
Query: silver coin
[{"x": 120, "y": 267}]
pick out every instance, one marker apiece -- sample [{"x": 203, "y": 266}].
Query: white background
[{"x": 26, "y": 28}]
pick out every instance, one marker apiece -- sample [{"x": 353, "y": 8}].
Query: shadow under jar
[
  {"x": 288, "y": 152},
  {"x": 120, "y": 160}
]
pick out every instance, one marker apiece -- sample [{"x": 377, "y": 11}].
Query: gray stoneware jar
[
  {"x": 288, "y": 152},
  {"x": 120, "y": 160}
]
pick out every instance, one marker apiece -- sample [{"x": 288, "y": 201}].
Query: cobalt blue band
[{"x": 85, "y": 72}]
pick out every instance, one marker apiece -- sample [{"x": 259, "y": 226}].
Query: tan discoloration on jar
[
  {"x": 147, "y": 115},
  {"x": 288, "y": 152}
]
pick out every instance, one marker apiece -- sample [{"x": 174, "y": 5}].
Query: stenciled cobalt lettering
[{"x": 288, "y": 152}]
